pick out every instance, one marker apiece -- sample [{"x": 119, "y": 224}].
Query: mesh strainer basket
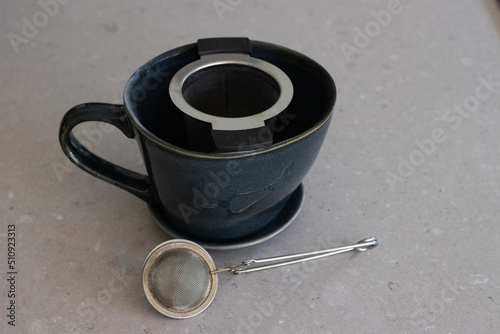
[{"x": 179, "y": 279}]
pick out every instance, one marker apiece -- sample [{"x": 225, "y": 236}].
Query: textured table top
[{"x": 412, "y": 157}]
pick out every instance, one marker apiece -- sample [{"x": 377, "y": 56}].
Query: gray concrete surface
[{"x": 400, "y": 162}]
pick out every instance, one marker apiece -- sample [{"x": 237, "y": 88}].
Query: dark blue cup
[{"x": 210, "y": 196}]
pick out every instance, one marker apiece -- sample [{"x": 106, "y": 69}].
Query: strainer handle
[{"x": 361, "y": 246}]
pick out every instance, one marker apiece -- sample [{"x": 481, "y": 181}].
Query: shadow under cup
[{"x": 215, "y": 196}]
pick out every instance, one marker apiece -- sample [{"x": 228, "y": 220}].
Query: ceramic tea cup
[{"x": 209, "y": 194}]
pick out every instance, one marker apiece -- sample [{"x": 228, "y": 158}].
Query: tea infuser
[{"x": 179, "y": 277}]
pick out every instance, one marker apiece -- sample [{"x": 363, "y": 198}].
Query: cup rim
[{"x": 133, "y": 116}]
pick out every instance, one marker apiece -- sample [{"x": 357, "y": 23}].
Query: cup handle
[{"x": 135, "y": 183}]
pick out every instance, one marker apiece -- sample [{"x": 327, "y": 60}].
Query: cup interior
[{"x": 229, "y": 91}]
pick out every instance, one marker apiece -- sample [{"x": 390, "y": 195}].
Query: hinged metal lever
[{"x": 361, "y": 246}]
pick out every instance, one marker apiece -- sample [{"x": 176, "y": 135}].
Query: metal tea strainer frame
[
  {"x": 204, "y": 262},
  {"x": 224, "y": 123}
]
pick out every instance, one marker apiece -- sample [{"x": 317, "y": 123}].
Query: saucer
[{"x": 281, "y": 222}]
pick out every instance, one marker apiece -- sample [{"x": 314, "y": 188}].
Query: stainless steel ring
[{"x": 235, "y": 123}]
